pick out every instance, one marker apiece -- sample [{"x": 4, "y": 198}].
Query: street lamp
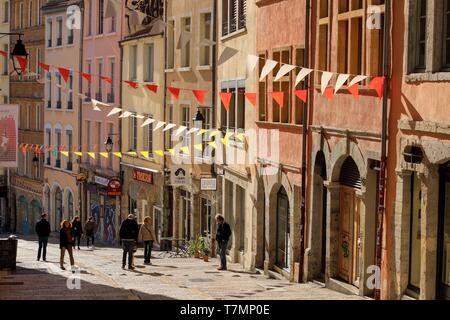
[
  {"x": 35, "y": 161},
  {"x": 198, "y": 119},
  {"x": 19, "y": 53},
  {"x": 109, "y": 144}
]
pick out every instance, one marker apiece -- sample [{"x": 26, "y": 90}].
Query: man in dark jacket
[
  {"x": 129, "y": 231},
  {"x": 43, "y": 231},
  {"x": 222, "y": 236}
]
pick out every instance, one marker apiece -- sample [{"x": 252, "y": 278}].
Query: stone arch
[
  {"x": 340, "y": 153},
  {"x": 69, "y": 209},
  {"x": 57, "y": 199}
]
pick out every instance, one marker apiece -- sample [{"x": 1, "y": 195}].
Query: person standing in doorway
[
  {"x": 222, "y": 236},
  {"x": 129, "y": 231},
  {"x": 66, "y": 243},
  {"x": 77, "y": 230},
  {"x": 146, "y": 236},
  {"x": 43, "y": 231},
  {"x": 90, "y": 227}
]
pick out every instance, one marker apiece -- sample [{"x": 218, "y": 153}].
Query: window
[
  {"x": 281, "y": 114},
  {"x": 30, "y": 13},
  {"x": 39, "y": 69},
  {"x": 111, "y": 135},
  {"x": 207, "y": 124},
  {"x": 324, "y": 26},
  {"x": 234, "y": 119},
  {"x": 59, "y": 31},
  {"x": 262, "y": 101},
  {"x": 58, "y": 148},
  {"x": 89, "y": 87},
  {"x": 89, "y": 33},
  {"x": 49, "y": 33},
  {"x": 112, "y": 68},
  {"x": 186, "y": 50},
  {"x": 69, "y": 143},
  {"x": 148, "y": 136},
  {"x": 185, "y": 207},
  {"x": 70, "y": 36},
  {"x": 170, "y": 40},
  {"x": 38, "y": 13},
  {"x": 6, "y": 12},
  {"x": 185, "y": 121},
  {"x": 298, "y": 112},
  {"x": 5, "y": 60},
  {"x": 21, "y": 13},
  {"x": 99, "y": 141},
  {"x": 132, "y": 143},
  {"x": 58, "y": 91},
  {"x": 70, "y": 98},
  {"x": 233, "y": 16},
  {"x": 88, "y": 142},
  {"x": 49, "y": 89},
  {"x": 100, "y": 16},
  {"x": 205, "y": 33},
  {"x": 48, "y": 139},
  {"x": 38, "y": 118},
  {"x": 113, "y": 24},
  {"x": 446, "y": 33},
  {"x": 133, "y": 63},
  {"x": 168, "y": 133},
  {"x": 98, "y": 96},
  {"x": 149, "y": 62},
  {"x": 421, "y": 34}
]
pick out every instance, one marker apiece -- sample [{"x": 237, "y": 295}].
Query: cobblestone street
[{"x": 168, "y": 278}]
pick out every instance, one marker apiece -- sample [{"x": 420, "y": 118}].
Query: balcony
[
  {"x": 70, "y": 105},
  {"x": 69, "y": 166},
  {"x": 58, "y": 163},
  {"x": 58, "y": 104},
  {"x": 110, "y": 97},
  {"x": 49, "y": 104},
  {"x": 59, "y": 42},
  {"x": 98, "y": 96}
]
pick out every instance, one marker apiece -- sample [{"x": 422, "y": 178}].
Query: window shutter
[{"x": 233, "y": 15}]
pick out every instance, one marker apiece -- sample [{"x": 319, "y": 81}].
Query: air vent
[{"x": 350, "y": 176}]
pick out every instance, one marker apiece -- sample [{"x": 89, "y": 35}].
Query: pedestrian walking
[
  {"x": 77, "y": 230},
  {"x": 147, "y": 237},
  {"x": 129, "y": 231},
  {"x": 66, "y": 243},
  {"x": 222, "y": 236},
  {"x": 42, "y": 229},
  {"x": 90, "y": 228}
]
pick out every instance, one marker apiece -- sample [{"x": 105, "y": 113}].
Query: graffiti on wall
[{"x": 109, "y": 228}]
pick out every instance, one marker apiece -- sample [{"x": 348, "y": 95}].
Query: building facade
[
  {"x": 101, "y": 57},
  {"x": 25, "y": 90},
  {"x": 62, "y": 113}
]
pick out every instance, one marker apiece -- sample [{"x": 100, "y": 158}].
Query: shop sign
[
  {"x": 114, "y": 188},
  {"x": 143, "y": 176},
  {"x": 101, "y": 181},
  {"x": 208, "y": 184},
  {"x": 179, "y": 176}
]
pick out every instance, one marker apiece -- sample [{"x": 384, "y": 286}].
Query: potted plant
[
  {"x": 193, "y": 248},
  {"x": 206, "y": 252}
]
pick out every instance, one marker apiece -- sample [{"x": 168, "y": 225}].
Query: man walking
[
  {"x": 129, "y": 231},
  {"x": 222, "y": 236},
  {"x": 90, "y": 227},
  {"x": 43, "y": 231}
]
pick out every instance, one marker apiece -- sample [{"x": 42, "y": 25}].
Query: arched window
[
  {"x": 6, "y": 12},
  {"x": 58, "y": 208},
  {"x": 283, "y": 229},
  {"x": 70, "y": 205}
]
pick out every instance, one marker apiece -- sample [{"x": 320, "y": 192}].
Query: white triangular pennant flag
[
  {"x": 270, "y": 64},
  {"x": 302, "y": 75},
  {"x": 342, "y": 78},
  {"x": 180, "y": 130},
  {"x": 96, "y": 108},
  {"x": 169, "y": 126},
  {"x": 226, "y": 55},
  {"x": 126, "y": 114},
  {"x": 158, "y": 26},
  {"x": 159, "y": 125},
  {"x": 134, "y": 19},
  {"x": 139, "y": 116},
  {"x": 192, "y": 130},
  {"x": 285, "y": 68},
  {"x": 147, "y": 122},
  {"x": 110, "y": 10},
  {"x": 114, "y": 111},
  {"x": 207, "y": 43},
  {"x": 356, "y": 79},
  {"x": 185, "y": 37},
  {"x": 252, "y": 61},
  {"x": 326, "y": 78}
]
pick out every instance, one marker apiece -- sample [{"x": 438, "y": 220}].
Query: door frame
[
  {"x": 287, "y": 233},
  {"x": 442, "y": 291}
]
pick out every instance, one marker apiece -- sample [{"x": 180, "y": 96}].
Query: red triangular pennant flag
[
  {"x": 132, "y": 84},
  {"x": 64, "y": 73},
  {"x": 354, "y": 90},
  {"x": 87, "y": 76},
  {"x": 175, "y": 92},
  {"x": 106, "y": 79},
  {"x": 279, "y": 98},
  {"x": 152, "y": 87},
  {"x": 329, "y": 93},
  {"x": 251, "y": 97},
  {"x": 44, "y": 66},
  {"x": 377, "y": 83},
  {"x": 3, "y": 53},
  {"x": 23, "y": 62},
  {"x": 226, "y": 99},
  {"x": 199, "y": 95},
  {"x": 302, "y": 95}
]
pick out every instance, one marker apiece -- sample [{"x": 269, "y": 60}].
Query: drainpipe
[
  {"x": 80, "y": 106},
  {"x": 304, "y": 145},
  {"x": 165, "y": 210},
  {"x": 384, "y": 137}
]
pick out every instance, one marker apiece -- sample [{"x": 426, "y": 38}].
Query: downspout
[
  {"x": 80, "y": 106},
  {"x": 304, "y": 145},
  {"x": 384, "y": 138},
  {"x": 164, "y": 198}
]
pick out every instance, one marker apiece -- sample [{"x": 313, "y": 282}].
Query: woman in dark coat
[
  {"x": 66, "y": 243},
  {"x": 77, "y": 230}
]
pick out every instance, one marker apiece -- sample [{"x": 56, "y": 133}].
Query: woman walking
[
  {"x": 77, "y": 230},
  {"x": 146, "y": 236},
  {"x": 66, "y": 243},
  {"x": 90, "y": 231}
]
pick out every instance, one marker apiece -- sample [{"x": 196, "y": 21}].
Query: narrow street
[{"x": 168, "y": 278}]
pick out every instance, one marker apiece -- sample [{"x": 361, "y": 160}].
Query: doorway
[
  {"x": 415, "y": 235},
  {"x": 283, "y": 230},
  {"x": 443, "y": 268}
]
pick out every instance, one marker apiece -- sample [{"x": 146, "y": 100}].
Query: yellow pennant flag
[
  {"x": 202, "y": 131},
  {"x": 78, "y": 153},
  {"x": 185, "y": 149},
  {"x": 214, "y": 133},
  {"x": 240, "y": 136},
  {"x": 132, "y": 153},
  {"x": 171, "y": 151},
  {"x": 159, "y": 153},
  {"x": 144, "y": 154},
  {"x": 118, "y": 154},
  {"x": 198, "y": 147},
  {"x": 226, "y": 139},
  {"x": 65, "y": 153},
  {"x": 91, "y": 154},
  {"x": 213, "y": 144},
  {"x": 104, "y": 154}
]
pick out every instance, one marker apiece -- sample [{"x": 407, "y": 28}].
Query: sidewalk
[{"x": 101, "y": 277}]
